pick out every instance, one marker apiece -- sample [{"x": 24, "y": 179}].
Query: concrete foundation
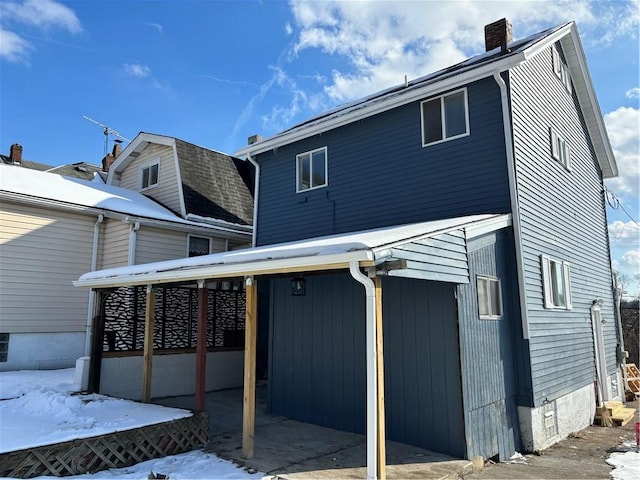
[
  {"x": 43, "y": 351},
  {"x": 171, "y": 374}
]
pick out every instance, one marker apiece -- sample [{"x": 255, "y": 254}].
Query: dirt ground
[{"x": 582, "y": 455}]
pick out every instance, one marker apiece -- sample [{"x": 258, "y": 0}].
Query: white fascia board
[
  {"x": 48, "y": 203},
  {"x": 205, "y": 272},
  {"x": 193, "y": 227},
  {"x": 176, "y": 165},
  {"x": 219, "y": 223},
  {"x": 547, "y": 41},
  {"x": 456, "y": 80},
  {"x": 136, "y": 146},
  {"x": 488, "y": 226}
]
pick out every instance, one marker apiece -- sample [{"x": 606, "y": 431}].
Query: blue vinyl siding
[
  {"x": 494, "y": 367},
  {"x": 562, "y": 215},
  {"x": 317, "y": 369},
  {"x": 379, "y": 174}
]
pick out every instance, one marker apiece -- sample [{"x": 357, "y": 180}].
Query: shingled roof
[{"x": 215, "y": 184}]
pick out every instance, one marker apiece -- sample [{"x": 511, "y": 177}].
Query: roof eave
[{"x": 132, "y": 150}]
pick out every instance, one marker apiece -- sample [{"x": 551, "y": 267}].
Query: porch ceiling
[{"x": 368, "y": 248}]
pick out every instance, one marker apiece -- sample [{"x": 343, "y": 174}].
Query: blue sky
[{"x": 213, "y": 73}]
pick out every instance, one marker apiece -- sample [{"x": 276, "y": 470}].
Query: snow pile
[{"x": 626, "y": 463}]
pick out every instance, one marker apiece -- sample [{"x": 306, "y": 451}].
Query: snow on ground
[
  {"x": 39, "y": 408},
  {"x": 625, "y": 463}
]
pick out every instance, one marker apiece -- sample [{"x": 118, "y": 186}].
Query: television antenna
[{"x": 107, "y": 131}]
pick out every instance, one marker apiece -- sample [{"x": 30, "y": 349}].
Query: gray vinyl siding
[
  {"x": 41, "y": 252},
  {"x": 167, "y": 192},
  {"x": 115, "y": 244},
  {"x": 562, "y": 215},
  {"x": 317, "y": 361},
  {"x": 494, "y": 371},
  {"x": 156, "y": 245},
  {"x": 442, "y": 258},
  {"x": 379, "y": 174}
]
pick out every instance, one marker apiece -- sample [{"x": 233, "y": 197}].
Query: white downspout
[
  {"x": 372, "y": 387},
  {"x": 94, "y": 266},
  {"x": 133, "y": 228},
  {"x": 515, "y": 210},
  {"x": 256, "y": 194},
  {"x": 599, "y": 352}
]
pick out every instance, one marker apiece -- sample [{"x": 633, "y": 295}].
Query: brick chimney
[
  {"x": 254, "y": 139},
  {"x": 117, "y": 148},
  {"x": 498, "y": 34},
  {"x": 111, "y": 157},
  {"x": 15, "y": 154}
]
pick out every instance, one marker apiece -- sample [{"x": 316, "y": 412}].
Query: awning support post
[
  {"x": 381, "y": 452},
  {"x": 249, "y": 397},
  {"x": 147, "y": 358},
  {"x": 201, "y": 347}
]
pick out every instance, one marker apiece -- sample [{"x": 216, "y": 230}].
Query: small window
[
  {"x": 445, "y": 117},
  {"x": 561, "y": 70},
  {"x": 560, "y": 149},
  {"x": 149, "y": 176},
  {"x": 4, "y": 347},
  {"x": 555, "y": 283},
  {"x": 311, "y": 169},
  {"x": 199, "y": 246},
  {"x": 489, "y": 298}
]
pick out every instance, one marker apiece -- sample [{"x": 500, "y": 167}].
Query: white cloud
[
  {"x": 633, "y": 92},
  {"x": 288, "y": 29},
  {"x": 43, "y": 14},
  {"x": 623, "y": 127},
  {"x": 14, "y": 48},
  {"x": 624, "y": 231},
  {"x": 631, "y": 258},
  {"x": 136, "y": 70},
  {"x": 157, "y": 26}
]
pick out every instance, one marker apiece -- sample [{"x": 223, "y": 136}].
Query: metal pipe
[{"x": 94, "y": 265}]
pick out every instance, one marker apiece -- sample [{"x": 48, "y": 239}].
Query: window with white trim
[
  {"x": 489, "y": 297},
  {"x": 199, "y": 246},
  {"x": 445, "y": 117},
  {"x": 560, "y": 149},
  {"x": 311, "y": 169},
  {"x": 561, "y": 70},
  {"x": 149, "y": 176},
  {"x": 556, "y": 284}
]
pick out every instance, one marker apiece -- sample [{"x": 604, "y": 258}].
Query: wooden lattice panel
[
  {"x": 633, "y": 378},
  {"x": 113, "y": 450}
]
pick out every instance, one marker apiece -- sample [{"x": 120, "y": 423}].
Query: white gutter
[
  {"x": 94, "y": 265},
  {"x": 220, "y": 270},
  {"x": 256, "y": 193},
  {"x": 133, "y": 229},
  {"x": 372, "y": 382},
  {"x": 513, "y": 193}
]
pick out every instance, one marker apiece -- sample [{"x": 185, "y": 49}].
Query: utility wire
[{"x": 614, "y": 202}]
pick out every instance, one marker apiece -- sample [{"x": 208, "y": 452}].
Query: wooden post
[
  {"x": 249, "y": 400},
  {"x": 95, "y": 361},
  {"x": 147, "y": 358},
  {"x": 381, "y": 461},
  {"x": 201, "y": 346}
]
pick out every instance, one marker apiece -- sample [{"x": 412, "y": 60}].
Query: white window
[
  {"x": 561, "y": 70},
  {"x": 199, "y": 246},
  {"x": 149, "y": 176},
  {"x": 445, "y": 117},
  {"x": 560, "y": 149},
  {"x": 489, "y": 298},
  {"x": 555, "y": 283},
  {"x": 311, "y": 169}
]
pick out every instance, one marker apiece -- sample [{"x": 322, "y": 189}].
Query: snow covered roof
[
  {"x": 73, "y": 192},
  {"x": 323, "y": 253}
]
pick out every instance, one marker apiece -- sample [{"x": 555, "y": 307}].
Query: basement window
[
  {"x": 311, "y": 169},
  {"x": 489, "y": 298},
  {"x": 4, "y": 347},
  {"x": 445, "y": 117},
  {"x": 149, "y": 176},
  {"x": 556, "y": 283}
]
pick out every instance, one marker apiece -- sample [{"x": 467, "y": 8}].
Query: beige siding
[
  {"x": 114, "y": 244},
  {"x": 167, "y": 190},
  {"x": 155, "y": 245},
  {"x": 41, "y": 253}
]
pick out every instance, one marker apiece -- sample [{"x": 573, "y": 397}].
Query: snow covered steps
[{"x": 620, "y": 415}]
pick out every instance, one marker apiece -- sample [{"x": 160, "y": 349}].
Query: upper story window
[
  {"x": 149, "y": 176},
  {"x": 560, "y": 149},
  {"x": 199, "y": 246},
  {"x": 445, "y": 117},
  {"x": 311, "y": 169},
  {"x": 561, "y": 70},
  {"x": 556, "y": 284},
  {"x": 489, "y": 298}
]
